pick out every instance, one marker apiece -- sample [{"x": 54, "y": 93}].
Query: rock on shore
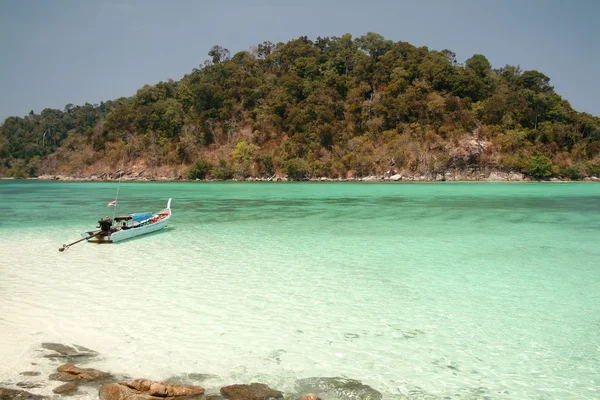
[
  {"x": 146, "y": 389},
  {"x": 253, "y": 391},
  {"x": 15, "y": 394},
  {"x": 407, "y": 176},
  {"x": 69, "y": 373}
]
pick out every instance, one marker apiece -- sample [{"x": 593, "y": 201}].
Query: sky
[{"x": 54, "y": 53}]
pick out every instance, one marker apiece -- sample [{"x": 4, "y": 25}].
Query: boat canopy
[{"x": 139, "y": 217}]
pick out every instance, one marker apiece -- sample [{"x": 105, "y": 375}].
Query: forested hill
[{"x": 330, "y": 107}]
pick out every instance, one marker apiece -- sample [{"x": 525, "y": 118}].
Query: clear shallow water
[{"x": 418, "y": 290}]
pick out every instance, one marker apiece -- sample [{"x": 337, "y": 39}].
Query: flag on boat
[{"x": 112, "y": 203}]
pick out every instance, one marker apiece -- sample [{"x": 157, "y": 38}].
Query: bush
[
  {"x": 572, "y": 172},
  {"x": 539, "y": 167},
  {"x": 267, "y": 165},
  {"x": 514, "y": 162},
  {"x": 222, "y": 171},
  {"x": 198, "y": 170},
  {"x": 593, "y": 170},
  {"x": 297, "y": 169},
  {"x": 243, "y": 169}
]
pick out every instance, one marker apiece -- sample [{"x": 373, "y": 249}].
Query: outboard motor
[{"x": 105, "y": 224}]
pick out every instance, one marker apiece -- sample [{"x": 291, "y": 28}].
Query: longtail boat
[{"x": 128, "y": 226}]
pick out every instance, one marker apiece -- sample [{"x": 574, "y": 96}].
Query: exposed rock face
[
  {"x": 69, "y": 373},
  {"x": 145, "y": 389},
  {"x": 253, "y": 391},
  {"x": 505, "y": 176},
  {"x": 338, "y": 388},
  {"x": 15, "y": 394}
]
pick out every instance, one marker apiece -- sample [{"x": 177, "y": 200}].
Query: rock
[
  {"x": 66, "y": 388},
  {"x": 370, "y": 178},
  {"x": 337, "y": 388},
  {"x": 309, "y": 396},
  {"x": 30, "y": 373},
  {"x": 162, "y": 389},
  {"x": 396, "y": 177},
  {"x": 516, "y": 176},
  {"x": 214, "y": 397},
  {"x": 145, "y": 389},
  {"x": 498, "y": 176},
  {"x": 69, "y": 372},
  {"x": 61, "y": 350},
  {"x": 193, "y": 377},
  {"x": 29, "y": 385},
  {"x": 15, "y": 394},
  {"x": 253, "y": 391}
]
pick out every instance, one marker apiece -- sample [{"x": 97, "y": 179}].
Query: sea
[{"x": 363, "y": 290}]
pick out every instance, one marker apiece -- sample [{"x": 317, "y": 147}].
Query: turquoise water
[{"x": 424, "y": 291}]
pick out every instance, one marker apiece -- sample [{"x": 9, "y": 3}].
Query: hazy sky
[{"x": 57, "y": 52}]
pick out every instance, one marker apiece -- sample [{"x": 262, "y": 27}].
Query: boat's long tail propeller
[{"x": 66, "y": 246}]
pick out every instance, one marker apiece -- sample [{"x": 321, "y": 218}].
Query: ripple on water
[{"x": 420, "y": 299}]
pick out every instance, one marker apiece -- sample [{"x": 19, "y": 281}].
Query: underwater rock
[
  {"x": 340, "y": 387},
  {"x": 62, "y": 350},
  {"x": 193, "y": 377},
  {"x": 69, "y": 372},
  {"x": 16, "y": 394},
  {"x": 30, "y": 373},
  {"x": 66, "y": 388},
  {"x": 29, "y": 385},
  {"x": 253, "y": 391},
  {"x": 309, "y": 396},
  {"x": 146, "y": 389}
]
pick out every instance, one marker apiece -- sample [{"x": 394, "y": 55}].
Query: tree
[
  {"x": 219, "y": 54},
  {"x": 374, "y": 44},
  {"x": 539, "y": 167},
  {"x": 535, "y": 81},
  {"x": 198, "y": 170},
  {"x": 297, "y": 169},
  {"x": 479, "y": 65}
]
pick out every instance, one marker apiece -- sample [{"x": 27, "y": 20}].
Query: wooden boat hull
[{"x": 120, "y": 234}]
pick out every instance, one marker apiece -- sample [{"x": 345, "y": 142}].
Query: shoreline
[
  {"x": 58, "y": 370},
  {"x": 312, "y": 180},
  {"x": 449, "y": 176}
]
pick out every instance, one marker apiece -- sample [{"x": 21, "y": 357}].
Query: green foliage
[
  {"x": 268, "y": 167},
  {"x": 297, "y": 169},
  {"x": 244, "y": 152},
  {"x": 222, "y": 171},
  {"x": 198, "y": 170},
  {"x": 333, "y": 106},
  {"x": 593, "y": 169},
  {"x": 540, "y": 167},
  {"x": 572, "y": 172}
]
